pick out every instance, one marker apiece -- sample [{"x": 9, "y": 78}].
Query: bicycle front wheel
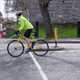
[
  {"x": 15, "y": 48},
  {"x": 40, "y": 48}
]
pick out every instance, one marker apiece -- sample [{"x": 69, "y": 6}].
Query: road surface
[{"x": 56, "y": 65}]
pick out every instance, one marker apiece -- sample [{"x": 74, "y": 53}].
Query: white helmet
[{"x": 19, "y": 12}]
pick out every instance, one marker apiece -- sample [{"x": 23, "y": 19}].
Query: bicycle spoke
[
  {"x": 15, "y": 48},
  {"x": 40, "y": 48}
]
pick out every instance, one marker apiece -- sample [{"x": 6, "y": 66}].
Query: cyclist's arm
[{"x": 20, "y": 25}]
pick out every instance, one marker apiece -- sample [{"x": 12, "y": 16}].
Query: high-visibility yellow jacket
[{"x": 24, "y": 24}]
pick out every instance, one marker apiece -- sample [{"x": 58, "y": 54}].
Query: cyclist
[{"x": 24, "y": 26}]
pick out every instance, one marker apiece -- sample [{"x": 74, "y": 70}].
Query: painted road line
[{"x": 43, "y": 75}]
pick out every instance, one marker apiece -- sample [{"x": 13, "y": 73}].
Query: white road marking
[{"x": 44, "y": 77}]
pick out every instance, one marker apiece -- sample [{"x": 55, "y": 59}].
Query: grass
[
  {"x": 67, "y": 31},
  {"x": 42, "y": 32},
  {"x": 9, "y": 33}
]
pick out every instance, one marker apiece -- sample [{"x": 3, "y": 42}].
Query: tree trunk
[{"x": 47, "y": 21}]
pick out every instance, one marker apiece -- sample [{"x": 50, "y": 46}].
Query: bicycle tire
[
  {"x": 40, "y": 51},
  {"x": 15, "y": 49}
]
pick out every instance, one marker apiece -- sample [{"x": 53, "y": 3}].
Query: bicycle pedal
[{"x": 28, "y": 50}]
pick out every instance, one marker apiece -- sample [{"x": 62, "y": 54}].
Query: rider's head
[{"x": 19, "y": 13}]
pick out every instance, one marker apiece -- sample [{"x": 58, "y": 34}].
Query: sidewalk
[{"x": 68, "y": 40}]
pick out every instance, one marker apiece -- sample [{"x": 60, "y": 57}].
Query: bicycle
[{"x": 16, "y": 47}]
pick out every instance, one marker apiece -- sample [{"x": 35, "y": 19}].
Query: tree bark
[{"x": 46, "y": 19}]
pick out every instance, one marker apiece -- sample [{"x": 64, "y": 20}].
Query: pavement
[
  {"x": 56, "y": 65},
  {"x": 68, "y": 40}
]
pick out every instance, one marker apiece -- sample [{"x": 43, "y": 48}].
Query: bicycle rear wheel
[
  {"x": 15, "y": 48},
  {"x": 40, "y": 47}
]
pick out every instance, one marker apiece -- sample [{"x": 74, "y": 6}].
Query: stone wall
[{"x": 60, "y": 11}]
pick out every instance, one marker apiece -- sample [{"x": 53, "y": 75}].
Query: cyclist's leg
[{"x": 27, "y": 34}]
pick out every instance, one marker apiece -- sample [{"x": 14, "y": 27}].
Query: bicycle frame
[
  {"x": 22, "y": 38},
  {"x": 35, "y": 48}
]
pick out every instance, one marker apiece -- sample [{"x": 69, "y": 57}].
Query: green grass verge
[
  {"x": 67, "y": 31},
  {"x": 42, "y": 32}
]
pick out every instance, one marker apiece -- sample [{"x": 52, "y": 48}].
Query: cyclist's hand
[{"x": 17, "y": 33}]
